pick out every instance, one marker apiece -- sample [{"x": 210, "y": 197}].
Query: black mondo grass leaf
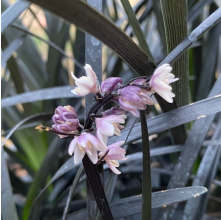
[
  {"x": 7, "y": 203},
  {"x": 12, "y": 13},
  {"x": 133, "y": 205},
  {"x": 204, "y": 177},
  {"x": 146, "y": 183},
  {"x": 191, "y": 147},
  {"x": 32, "y": 118},
  {"x": 42, "y": 94},
  {"x": 156, "y": 125}
]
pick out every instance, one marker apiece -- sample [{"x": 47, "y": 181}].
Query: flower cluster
[{"x": 134, "y": 96}]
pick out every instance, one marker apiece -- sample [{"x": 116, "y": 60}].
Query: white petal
[
  {"x": 90, "y": 73},
  {"x": 72, "y": 146},
  {"x": 80, "y": 92},
  {"x": 78, "y": 155},
  {"x": 102, "y": 138},
  {"x": 112, "y": 167},
  {"x": 106, "y": 128},
  {"x": 93, "y": 156}
]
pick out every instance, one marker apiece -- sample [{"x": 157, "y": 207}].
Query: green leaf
[{"x": 49, "y": 163}]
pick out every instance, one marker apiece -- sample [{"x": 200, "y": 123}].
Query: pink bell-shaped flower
[
  {"x": 109, "y": 126},
  {"x": 86, "y": 84},
  {"x": 160, "y": 81},
  {"x": 85, "y": 143},
  {"x": 115, "y": 154}
]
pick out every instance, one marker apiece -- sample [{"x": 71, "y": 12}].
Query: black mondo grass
[{"x": 167, "y": 160}]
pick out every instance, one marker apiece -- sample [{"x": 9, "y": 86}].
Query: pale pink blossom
[
  {"x": 160, "y": 81},
  {"x": 85, "y": 143},
  {"x": 109, "y": 126},
  {"x": 115, "y": 154},
  {"x": 86, "y": 84}
]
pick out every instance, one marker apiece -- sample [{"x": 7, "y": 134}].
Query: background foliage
[{"x": 40, "y": 49}]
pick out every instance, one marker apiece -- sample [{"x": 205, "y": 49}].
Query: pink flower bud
[
  {"x": 160, "y": 81},
  {"x": 85, "y": 143},
  {"x": 133, "y": 98},
  {"x": 114, "y": 111},
  {"x": 65, "y": 120},
  {"x": 86, "y": 84},
  {"x": 110, "y": 84},
  {"x": 115, "y": 154}
]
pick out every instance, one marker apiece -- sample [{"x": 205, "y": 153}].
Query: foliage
[{"x": 43, "y": 42}]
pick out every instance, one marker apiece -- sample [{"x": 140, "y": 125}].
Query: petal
[
  {"x": 84, "y": 83},
  {"x": 72, "y": 146},
  {"x": 126, "y": 105},
  {"x": 93, "y": 156},
  {"x": 102, "y": 138},
  {"x": 135, "y": 113},
  {"x": 117, "y": 144},
  {"x": 80, "y": 92},
  {"x": 82, "y": 140},
  {"x": 96, "y": 143},
  {"x": 115, "y": 119},
  {"x": 112, "y": 167},
  {"x": 78, "y": 155},
  {"x": 106, "y": 128},
  {"x": 165, "y": 96},
  {"x": 90, "y": 73}
]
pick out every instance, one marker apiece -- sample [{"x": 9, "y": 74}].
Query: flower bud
[
  {"x": 110, "y": 84},
  {"x": 114, "y": 111},
  {"x": 133, "y": 98},
  {"x": 65, "y": 120}
]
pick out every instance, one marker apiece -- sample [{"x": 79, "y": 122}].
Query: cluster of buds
[{"x": 134, "y": 96}]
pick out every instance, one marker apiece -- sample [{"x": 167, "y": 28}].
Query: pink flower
[
  {"x": 160, "y": 81},
  {"x": 108, "y": 126},
  {"x": 115, "y": 153},
  {"x": 85, "y": 143},
  {"x": 133, "y": 98},
  {"x": 86, "y": 84}
]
